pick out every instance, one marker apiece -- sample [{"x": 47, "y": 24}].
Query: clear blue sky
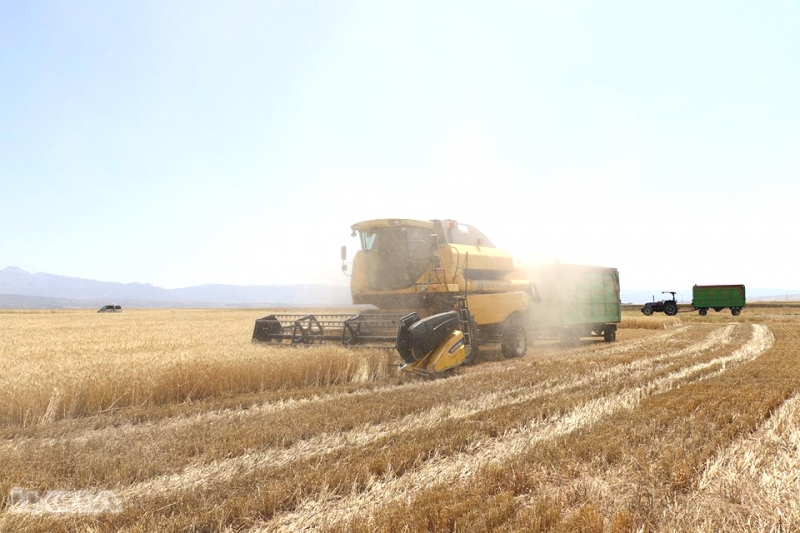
[{"x": 188, "y": 142}]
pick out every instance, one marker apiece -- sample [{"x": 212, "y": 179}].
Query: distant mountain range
[{"x": 22, "y": 290}]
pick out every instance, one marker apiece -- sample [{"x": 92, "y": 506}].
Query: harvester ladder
[{"x": 463, "y": 315}]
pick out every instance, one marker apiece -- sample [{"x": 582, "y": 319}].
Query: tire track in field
[
  {"x": 753, "y": 483},
  {"x": 223, "y": 471},
  {"x": 317, "y": 513}
]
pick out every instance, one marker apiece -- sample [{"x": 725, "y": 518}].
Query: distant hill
[{"x": 22, "y": 290}]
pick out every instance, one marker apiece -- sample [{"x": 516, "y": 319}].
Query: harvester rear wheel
[{"x": 515, "y": 342}]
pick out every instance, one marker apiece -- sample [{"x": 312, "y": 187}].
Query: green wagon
[
  {"x": 576, "y": 301},
  {"x": 718, "y": 297}
]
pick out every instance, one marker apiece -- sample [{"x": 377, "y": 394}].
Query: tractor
[{"x": 668, "y": 307}]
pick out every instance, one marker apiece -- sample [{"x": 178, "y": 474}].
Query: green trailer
[
  {"x": 718, "y": 297},
  {"x": 575, "y": 301}
]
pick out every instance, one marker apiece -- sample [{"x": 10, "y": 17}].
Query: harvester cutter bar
[
  {"x": 371, "y": 329},
  {"x": 368, "y": 329}
]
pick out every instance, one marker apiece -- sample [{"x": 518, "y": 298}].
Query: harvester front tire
[
  {"x": 610, "y": 335},
  {"x": 515, "y": 342},
  {"x": 647, "y": 311}
]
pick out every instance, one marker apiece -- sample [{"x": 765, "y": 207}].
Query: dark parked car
[{"x": 110, "y": 309}]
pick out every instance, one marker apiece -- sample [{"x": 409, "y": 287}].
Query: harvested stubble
[
  {"x": 599, "y": 437},
  {"x": 651, "y": 322}
]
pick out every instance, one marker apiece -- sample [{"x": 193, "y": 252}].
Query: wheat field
[{"x": 684, "y": 424}]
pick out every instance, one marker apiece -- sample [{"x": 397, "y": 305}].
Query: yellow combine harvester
[
  {"x": 419, "y": 266},
  {"x": 433, "y": 267}
]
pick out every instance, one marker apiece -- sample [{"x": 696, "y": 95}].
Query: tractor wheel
[
  {"x": 474, "y": 335},
  {"x": 735, "y": 311},
  {"x": 703, "y": 312},
  {"x": 671, "y": 309},
  {"x": 515, "y": 343},
  {"x": 647, "y": 311}
]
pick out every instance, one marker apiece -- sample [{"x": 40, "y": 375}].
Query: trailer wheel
[
  {"x": 610, "y": 334},
  {"x": 735, "y": 311},
  {"x": 671, "y": 309},
  {"x": 703, "y": 312},
  {"x": 515, "y": 343},
  {"x": 647, "y": 311},
  {"x": 718, "y": 309}
]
